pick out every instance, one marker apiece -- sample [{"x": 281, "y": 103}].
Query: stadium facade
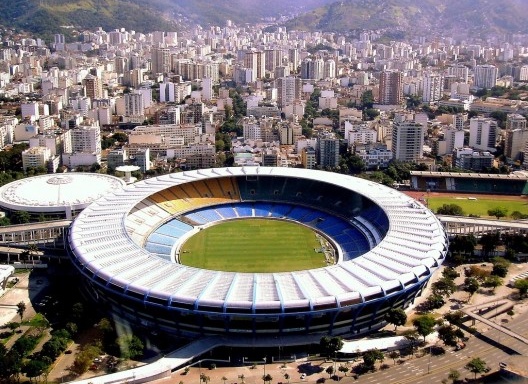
[{"x": 125, "y": 246}]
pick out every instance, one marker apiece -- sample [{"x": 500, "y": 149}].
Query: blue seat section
[
  {"x": 262, "y": 209},
  {"x": 226, "y": 211},
  {"x": 174, "y": 228},
  {"x": 313, "y": 193},
  {"x": 158, "y": 238},
  {"x": 377, "y": 217},
  {"x": 244, "y": 210},
  {"x": 353, "y": 243},
  {"x": 162, "y": 239},
  {"x": 158, "y": 248},
  {"x": 196, "y": 218},
  {"x": 280, "y": 210}
]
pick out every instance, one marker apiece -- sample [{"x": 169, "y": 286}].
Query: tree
[
  {"x": 453, "y": 375},
  {"x": 330, "y": 370},
  {"x": 396, "y": 317},
  {"x": 450, "y": 209},
  {"x": 344, "y": 369},
  {"x": 454, "y": 318},
  {"x": 412, "y": 337},
  {"x": 20, "y": 217},
  {"x": 34, "y": 368},
  {"x": 522, "y": 286},
  {"x": 371, "y": 356},
  {"x": 394, "y": 355},
  {"x": 516, "y": 215},
  {"x": 447, "y": 334},
  {"x": 130, "y": 346},
  {"x": 21, "y": 308},
  {"x": 331, "y": 345},
  {"x": 77, "y": 311},
  {"x": 267, "y": 378},
  {"x": 433, "y": 302},
  {"x": 424, "y": 325},
  {"x": 476, "y": 365},
  {"x": 471, "y": 285},
  {"x": 286, "y": 377},
  {"x": 443, "y": 287},
  {"x": 493, "y": 282},
  {"x": 500, "y": 266},
  {"x": 498, "y": 212},
  {"x": 224, "y": 379},
  {"x": 450, "y": 273}
]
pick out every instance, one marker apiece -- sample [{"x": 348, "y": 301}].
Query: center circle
[{"x": 257, "y": 245}]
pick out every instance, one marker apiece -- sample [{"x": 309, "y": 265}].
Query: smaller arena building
[
  {"x": 512, "y": 184},
  {"x": 60, "y": 196}
]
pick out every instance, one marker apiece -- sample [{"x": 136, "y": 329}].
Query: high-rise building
[
  {"x": 293, "y": 58},
  {"x": 86, "y": 138},
  {"x": 255, "y": 60},
  {"x": 483, "y": 133},
  {"x": 134, "y": 105},
  {"x": 329, "y": 71},
  {"x": 516, "y": 137},
  {"x": 308, "y": 158},
  {"x": 458, "y": 121},
  {"x": 328, "y": 151},
  {"x": 93, "y": 87},
  {"x": 289, "y": 89},
  {"x": 459, "y": 71},
  {"x": 251, "y": 128},
  {"x": 454, "y": 138},
  {"x": 160, "y": 60},
  {"x": 207, "y": 88},
  {"x": 312, "y": 68},
  {"x": 273, "y": 59},
  {"x": 407, "y": 140},
  {"x": 485, "y": 76},
  {"x": 432, "y": 88},
  {"x": 391, "y": 88}
]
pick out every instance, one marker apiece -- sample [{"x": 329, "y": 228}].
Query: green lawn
[
  {"x": 479, "y": 206},
  {"x": 253, "y": 245}
]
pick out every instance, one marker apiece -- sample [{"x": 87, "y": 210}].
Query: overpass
[
  {"x": 497, "y": 306},
  {"x": 462, "y": 225},
  {"x": 45, "y": 232}
]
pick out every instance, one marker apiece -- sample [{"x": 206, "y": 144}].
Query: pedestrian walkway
[
  {"x": 523, "y": 275},
  {"x": 498, "y": 306},
  {"x": 161, "y": 368}
]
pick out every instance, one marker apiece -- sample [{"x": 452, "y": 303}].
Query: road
[{"x": 491, "y": 346}]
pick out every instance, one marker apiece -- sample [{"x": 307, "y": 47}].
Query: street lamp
[
  {"x": 264, "y": 377},
  {"x": 429, "y": 363}
]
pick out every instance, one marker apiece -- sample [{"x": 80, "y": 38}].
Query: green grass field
[
  {"x": 253, "y": 245},
  {"x": 480, "y": 206}
]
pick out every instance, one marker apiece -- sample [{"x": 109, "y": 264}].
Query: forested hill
[
  {"x": 45, "y": 17},
  {"x": 441, "y": 17}
]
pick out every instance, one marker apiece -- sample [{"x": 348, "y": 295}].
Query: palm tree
[{"x": 21, "y": 308}]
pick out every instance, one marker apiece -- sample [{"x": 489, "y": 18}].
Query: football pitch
[
  {"x": 253, "y": 245},
  {"x": 479, "y": 206}
]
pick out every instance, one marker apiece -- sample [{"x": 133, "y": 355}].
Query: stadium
[{"x": 379, "y": 248}]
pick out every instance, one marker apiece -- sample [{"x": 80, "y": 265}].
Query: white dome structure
[{"x": 58, "y": 195}]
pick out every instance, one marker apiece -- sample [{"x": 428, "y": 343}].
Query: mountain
[
  {"x": 411, "y": 17},
  {"x": 45, "y": 17}
]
